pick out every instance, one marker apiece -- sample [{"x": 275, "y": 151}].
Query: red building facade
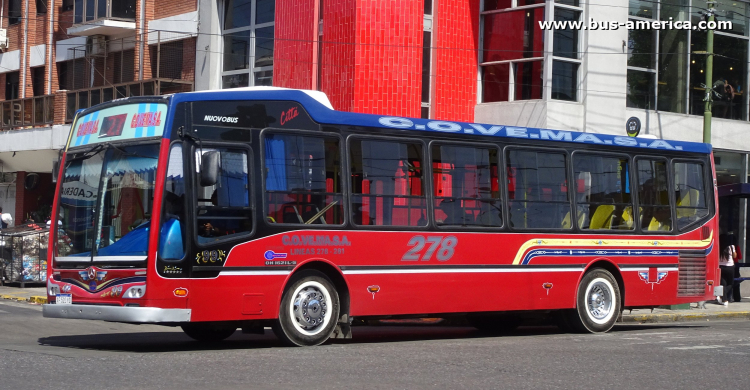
[{"x": 369, "y": 56}]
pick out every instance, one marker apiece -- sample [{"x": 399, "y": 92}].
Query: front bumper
[{"x": 138, "y": 315}]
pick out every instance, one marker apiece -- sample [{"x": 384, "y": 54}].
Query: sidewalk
[{"x": 712, "y": 310}]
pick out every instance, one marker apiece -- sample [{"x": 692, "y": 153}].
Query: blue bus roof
[{"x": 324, "y": 114}]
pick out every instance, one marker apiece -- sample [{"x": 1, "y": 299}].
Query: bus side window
[
  {"x": 690, "y": 193},
  {"x": 538, "y": 195},
  {"x": 653, "y": 195},
  {"x": 603, "y": 196},
  {"x": 464, "y": 178},
  {"x": 387, "y": 183},
  {"x": 303, "y": 179}
]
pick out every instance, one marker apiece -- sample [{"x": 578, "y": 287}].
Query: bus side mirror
[{"x": 209, "y": 168}]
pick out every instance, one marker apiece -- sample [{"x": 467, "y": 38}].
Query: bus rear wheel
[
  {"x": 598, "y": 303},
  {"x": 208, "y": 333},
  {"x": 309, "y": 310}
]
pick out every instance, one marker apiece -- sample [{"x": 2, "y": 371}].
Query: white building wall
[
  {"x": 207, "y": 62},
  {"x": 604, "y": 70}
]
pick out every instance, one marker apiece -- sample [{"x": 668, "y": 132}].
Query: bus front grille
[{"x": 692, "y": 272}]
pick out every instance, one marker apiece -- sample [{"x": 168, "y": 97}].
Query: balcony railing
[
  {"x": 91, "y": 10},
  {"x": 85, "y": 98},
  {"x": 29, "y": 112}
]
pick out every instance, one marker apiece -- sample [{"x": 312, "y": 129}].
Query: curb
[
  {"x": 680, "y": 317},
  {"x": 38, "y": 299},
  {"x": 34, "y": 299}
]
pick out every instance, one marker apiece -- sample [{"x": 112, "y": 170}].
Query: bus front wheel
[
  {"x": 309, "y": 310},
  {"x": 598, "y": 303}
]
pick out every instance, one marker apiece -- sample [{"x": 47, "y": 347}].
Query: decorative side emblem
[
  {"x": 372, "y": 290},
  {"x": 652, "y": 277},
  {"x": 271, "y": 255}
]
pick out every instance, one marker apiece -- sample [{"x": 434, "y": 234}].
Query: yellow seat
[
  {"x": 655, "y": 225},
  {"x": 627, "y": 218},
  {"x": 689, "y": 200},
  {"x": 602, "y": 218},
  {"x": 566, "y": 222}
]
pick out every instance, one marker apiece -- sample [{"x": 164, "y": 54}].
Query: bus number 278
[{"x": 442, "y": 247}]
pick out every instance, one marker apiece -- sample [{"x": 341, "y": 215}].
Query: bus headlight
[{"x": 135, "y": 292}]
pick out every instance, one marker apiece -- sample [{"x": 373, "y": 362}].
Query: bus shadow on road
[
  {"x": 144, "y": 342},
  {"x": 157, "y": 342}
]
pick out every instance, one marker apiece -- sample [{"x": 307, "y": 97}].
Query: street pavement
[{"x": 44, "y": 353}]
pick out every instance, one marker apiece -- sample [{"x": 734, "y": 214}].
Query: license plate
[{"x": 64, "y": 299}]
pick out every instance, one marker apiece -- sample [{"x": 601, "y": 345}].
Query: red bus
[{"x": 249, "y": 208}]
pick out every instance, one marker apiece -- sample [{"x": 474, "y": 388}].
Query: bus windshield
[{"x": 106, "y": 201}]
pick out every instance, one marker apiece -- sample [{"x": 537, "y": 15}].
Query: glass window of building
[
  {"x": 729, "y": 75},
  {"x": 641, "y": 76},
  {"x": 518, "y": 56},
  {"x": 673, "y": 59},
  {"x": 248, "y": 31},
  {"x": 642, "y": 8}
]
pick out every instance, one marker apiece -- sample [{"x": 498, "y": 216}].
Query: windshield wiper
[
  {"x": 132, "y": 154},
  {"x": 87, "y": 155}
]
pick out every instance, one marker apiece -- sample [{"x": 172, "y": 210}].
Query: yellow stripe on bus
[{"x": 588, "y": 242}]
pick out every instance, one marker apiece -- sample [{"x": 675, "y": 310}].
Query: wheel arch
[
  {"x": 614, "y": 270},
  {"x": 333, "y": 273}
]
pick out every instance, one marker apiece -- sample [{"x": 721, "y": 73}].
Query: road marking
[
  {"x": 698, "y": 347},
  {"x": 3, "y": 312}
]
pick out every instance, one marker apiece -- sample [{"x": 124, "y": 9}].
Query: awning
[{"x": 737, "y": 190}]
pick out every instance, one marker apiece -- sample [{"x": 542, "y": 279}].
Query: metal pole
[{"x": 709, "y": 72}]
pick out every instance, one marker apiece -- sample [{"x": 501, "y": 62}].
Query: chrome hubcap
[
  {"x": 599, "y": 301},
  {"x": 309, "y": 308}
]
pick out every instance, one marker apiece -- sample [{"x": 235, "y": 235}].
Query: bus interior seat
[
  {"x": 654, "y": 225},
  {"x": 689, "y": 201},
  {"x": 602, "y": 218},
  {"x": 627, "y": 218},
  {"x": 566, "y": 222}
]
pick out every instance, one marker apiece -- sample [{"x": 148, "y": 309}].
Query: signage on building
[{"x": 633, "y": 126}]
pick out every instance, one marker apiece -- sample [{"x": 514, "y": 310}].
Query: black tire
[
  {"x": 207, "y": 332},
  {"x": 494, "y": 323},
  {"x": 598, "y": 303},
  {"x": 309, "y": 310}
]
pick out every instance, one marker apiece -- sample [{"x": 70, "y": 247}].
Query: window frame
[
  {"x": 251, "y": 70},
  {"x": 344, "y": 173},
  {"x": 506, "y": 194},
  {"x": 547, "y": 58},
  {"x": 427, "y": 183},
  {"x": 633, "y": 193},
  {"x": 500, "y": 177},
  {"x": 195, "y": 148}
]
